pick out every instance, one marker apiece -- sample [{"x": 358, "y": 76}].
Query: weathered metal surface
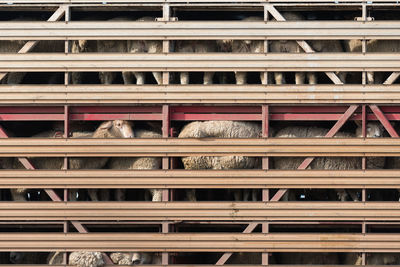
[
  {"x": 57, "y": 62},
  {"x": 199, "y": 179},
  {"x": 200, "y": 30},
  {"x": 200, "y": 211},
  {"x": 206, "y": 242},
  {"x": 198, "y": 94},
  {"x": 174, "y": 147}
]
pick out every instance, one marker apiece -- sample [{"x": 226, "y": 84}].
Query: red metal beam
[
  {"x": 385, "y": 122},
  {"x": 265, "y": 121}
]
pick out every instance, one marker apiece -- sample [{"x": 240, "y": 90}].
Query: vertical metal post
[
  {"x": 165, "y": 166},
  {"x": 265, "y": 166},
  {"x": 266, "y": 46},
  {"x": 67, "y": 17},
  {"x": 364, "y": 42},
  {"x": 166, "y": 43}
]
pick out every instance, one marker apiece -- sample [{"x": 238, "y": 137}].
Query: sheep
[
  {"x": 138, "y": 164},
  {"x": 108, "y": 129},
  {"x": 86, "y": 259},
  {"x": 221, "y": 129},
  {"x": 243, "y": 46},
  {"x": 27, "y": 257},
  {"x": 374, "y": 46},
  {"x": 141, "y": 46},
  {"x": 337, "y": 163},
  {"x": 15, "y": 46},
  {"x": 287, "y": 46},
  {"x": 291, "y": 46},
  {"x": 307, "y": 258},
  {"x": 135, "y": 258},
  {"x": 372, "y": 259},
  {"x": 196, "y": 47},
  {"x": 77, "y": 258}
]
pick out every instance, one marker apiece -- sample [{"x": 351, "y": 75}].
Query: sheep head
[
  {"x": 373, "y": 129},
  {"x": 133, "y": 258},
  {"x": 114, "y": 129},
  {"x": 17, "y": 257}
]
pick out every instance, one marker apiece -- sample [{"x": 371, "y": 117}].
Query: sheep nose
[{"x": 136, "y": 262}]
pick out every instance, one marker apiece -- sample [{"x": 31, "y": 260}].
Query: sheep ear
[
  {"x": 358, "y": 123},
  {"x": 106, "y": 125}
]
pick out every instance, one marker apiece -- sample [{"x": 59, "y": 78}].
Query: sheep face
[
  {"x": 118, "y": 128},
  {"x": 373, "y": 129},
  {"x": 17, "y": 257}
]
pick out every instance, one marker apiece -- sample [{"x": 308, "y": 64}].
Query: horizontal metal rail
[
  {"x": 201, "y": 242},
  {"x": 198, "y": 94},
  {"x": 58, "y": 62},
  {"x": 119, "y": 2},
  {"x": 174, "y": 147},
  {"x": 245, "y": 178},
  {"x": 200, "y": 30},
  {"x": 201, "y": 211}
]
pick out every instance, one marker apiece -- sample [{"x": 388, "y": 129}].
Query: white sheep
[
  {"x": 108, "y": 129},
  {"x": 135, "y": 258},
  {"x": 243, "y": 46},
  {"x": 196, "y": 47},
  {"x": 373, "y": 46},
  {"x": 142, "y": 46},
  {"x": 15, "y": 46},
  {"x": 77, "y": 258},
  {"x": 138, "y": 163},
  {"x": 221, "y": 129},
  {"x": 329, "y": 163}
]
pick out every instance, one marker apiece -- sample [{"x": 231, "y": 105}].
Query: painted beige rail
[
  {"x": 196, "y": 30},
  {"x": 256, "y": 242},
  {"x": 200, "y": 62},
  {"x": 198, "y": 94},
  {"x": 40, "y": 147},
  {"x": 201, "y": 211},
  {"x": 199, "y": 179}
]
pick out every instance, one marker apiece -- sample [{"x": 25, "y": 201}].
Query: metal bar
[
  {"x": 196, "y": 94},
  {"x": 392, "y": 78},
  {"x": 201, "y": 242},
  {"x": 176, "y": 147},
  {"x": 371, "y": 179},
  {"x": 200, "y": 30},
  {"x": 385, "y": 122},
  {"x": 111, "y": 3},
  {"x": 60, "y": 62}
]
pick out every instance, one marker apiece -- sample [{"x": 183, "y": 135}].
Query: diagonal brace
[
  {"x": 342, "y": 120},
  {"x": 385, "y": 122},
  {"x": 224, "y": 258},
  {"x": 303, "y": 44},
  {"x": 31, "y": 44}
]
